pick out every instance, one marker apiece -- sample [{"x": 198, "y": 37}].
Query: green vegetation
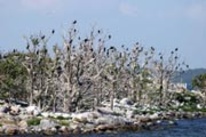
[
  {"x": 12, "y": 75},
  {"x": 59, "y": 118},
  {"x": 64, "y": 122},
  {"x": 187, "y": 98},
  {"x": 34, "y": 121},
  {"x": 200, "y": 83}
]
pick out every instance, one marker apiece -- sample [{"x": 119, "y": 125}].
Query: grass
[
  {"x": 33, "y": 121},
  {"x": 64, "y": 122},
  {"x": 59, "y": 118},
  {"x": 137, "y": 111}
]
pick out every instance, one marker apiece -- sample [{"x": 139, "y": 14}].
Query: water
[{"x": 184, "y": 128}]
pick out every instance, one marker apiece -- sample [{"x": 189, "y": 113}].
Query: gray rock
[
  {"x": 23, "y": 124},
  {"x": 45, "y": 114},
  {"x": 56, "y": 115},
  {"x": 126, "y": 101},
  {"x": 145, "y": 118},
  {"x": 199, "y": 106},
  {"x": 64, "y": 130},
  {"x": 24, "y": 117},
  {"x": 85, "y": 117},
  {"x": 89, "y": 126},
  {"x": 130, "y": 114},
  {"x": 154, "y": 116},
  {"x": 33, "y": 110},
  {"x": 46, "y": 124},
  {"x": 65, "y": 115},
  {"x": 15, "y": 110},
  {"x": 108, "y": 111},
  {"x": 10, "y": 130},
  {"x": 111, "y": 120},
  {"x": 5, "y": 109}
]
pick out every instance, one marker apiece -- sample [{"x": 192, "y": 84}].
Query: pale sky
[{"x": 164, "y": 24}]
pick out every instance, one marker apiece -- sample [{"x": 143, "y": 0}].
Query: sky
[{"x": 164, "y": 24}]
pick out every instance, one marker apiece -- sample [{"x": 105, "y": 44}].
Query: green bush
[{"x": 187, "y": 97}]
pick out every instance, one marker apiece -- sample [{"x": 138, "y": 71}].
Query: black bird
[
  {"x": 43, "y": 37},
  {"x": 70, "y": 42},
  {"x": 176, "y": 49},
  {"x": 109, "y": 36},
  {"x": 112, "y": 73},
  {"x": 45, "y": 51},
  {"x": 104, "y": 49},
  {"x": 27, "y": 47},
  {"x": 107, "y": 53},
  {"x": 120, "y": 55},
  {"x": 74, "y": 22},
  {"x": 152, "y": 48},
  {"x": 40, "y": 61},
  {"x": 53, "y": 31},
  {"x": 59, "y": 70},
  {"x": 14, "y": 51},
  {"x": 112, "y": 47},
  {"x": 86, "y": 40},
  {"x": 99, "y": 31},
  {"x": 37, "y": 52}
]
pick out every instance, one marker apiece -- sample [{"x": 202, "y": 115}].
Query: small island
[{"x": 85, "y": 86}]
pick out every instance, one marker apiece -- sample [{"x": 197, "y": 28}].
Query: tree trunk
[
  {"x": 54, "y": 103},
  {"x": 112, "y": 95},
  {"x": 31, "y": 92}
]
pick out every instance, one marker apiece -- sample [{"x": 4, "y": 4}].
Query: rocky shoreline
[{"x": 18, "y": 120}]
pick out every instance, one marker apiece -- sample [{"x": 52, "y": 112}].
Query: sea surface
[{"x": 183, "y": 128}]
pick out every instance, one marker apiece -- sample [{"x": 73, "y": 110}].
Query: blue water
[{"x": 184, "y": 128}]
